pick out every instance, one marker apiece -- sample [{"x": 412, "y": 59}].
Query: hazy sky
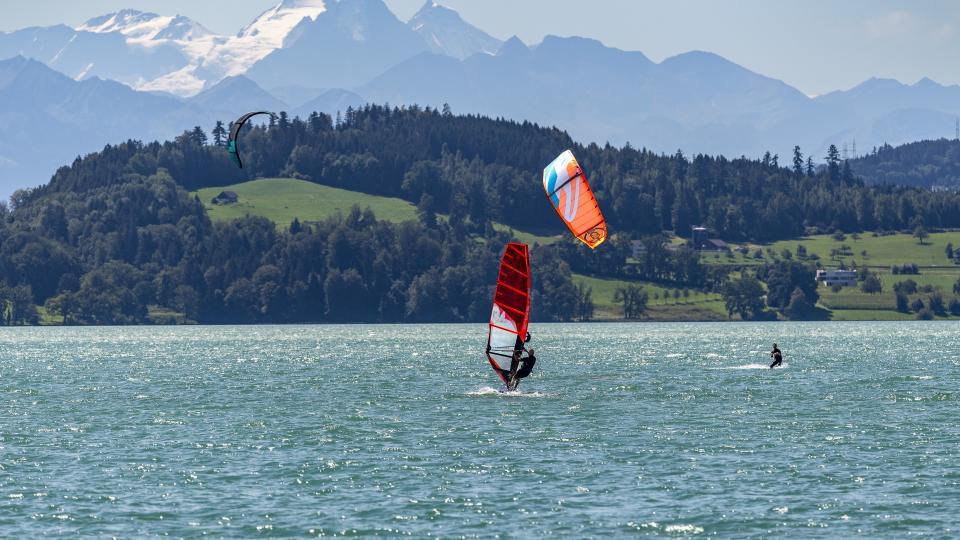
[{"x": 814, "y": 45}]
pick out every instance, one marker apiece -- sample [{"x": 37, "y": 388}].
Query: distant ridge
[{"x": 332, "y": 54}]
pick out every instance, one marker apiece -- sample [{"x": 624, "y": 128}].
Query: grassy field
[
  {"x": 528, "y": 237},
  {"x": 282, "y": 199},
  {"x": 870, "y": 315},
  {"x": 943, "y": 278},
  {"x": 881, "y": 251},
  {"x": 853, "y": 298},
  {"x": 878, "y": 253},
  {"x": 155, "y": 315},
  {"x": 661, "y": 306}
]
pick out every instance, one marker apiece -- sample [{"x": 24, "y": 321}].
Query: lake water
[{"x": 655, "y": 429}]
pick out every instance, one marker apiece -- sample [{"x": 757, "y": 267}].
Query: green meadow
[
  {"x": 881, "y": 251},
  {"x": 662, "y": 304},
  {"x": 282, "y": 199}
]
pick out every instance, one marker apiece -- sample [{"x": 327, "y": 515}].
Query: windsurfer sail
[
  {"x": 511, "y": 310},
  {"x": 567, "y": 188}
]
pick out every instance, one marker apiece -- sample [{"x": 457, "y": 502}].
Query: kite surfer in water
[{"x": 777, "y": 356}]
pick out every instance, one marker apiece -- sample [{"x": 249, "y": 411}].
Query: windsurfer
[
  {"x": 520, "y": 345},
  {"x": 520, "y": 368},
  {"x": 777, "y": 356}
]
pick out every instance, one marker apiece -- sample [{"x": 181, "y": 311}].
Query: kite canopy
[
  {"x": 511, "y": 308},
  {"x": 235, "y": 131},
  {"x": 570, "y": 194}
]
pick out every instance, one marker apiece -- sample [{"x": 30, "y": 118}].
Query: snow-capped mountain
[
  {"x": 270, "y": 31},
  {"x": 345, "y": 46},
  {"x": 327, "y": 55},
  {"x": 273, "y": 25},
  {"x": 82, "y": 54},
  {"x": 153, "y": 52},
  {"x": 330, "y": 43},
  {"x": 445, "y": 32},
  {"x": 143, "y": 26},
  {"x": 142, "y": 31}
]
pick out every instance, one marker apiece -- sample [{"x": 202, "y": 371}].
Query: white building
[{"x": 843, "y": 278}]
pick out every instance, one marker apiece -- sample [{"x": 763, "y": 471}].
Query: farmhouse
[
  {"x": 843, "y": 278},
  {"x": 702, "y": 242},
  {"x": 225, "y": 197}
]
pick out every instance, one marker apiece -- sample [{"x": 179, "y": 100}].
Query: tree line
[
  {"x": 928, "y": 164},
  {"x": 489, "y": 169},
  {"x": 114, "y": 252},
  {"x": 116, "y": 234}
]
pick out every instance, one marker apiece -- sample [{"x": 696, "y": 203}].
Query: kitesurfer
[{"x": 777, "y": 356}]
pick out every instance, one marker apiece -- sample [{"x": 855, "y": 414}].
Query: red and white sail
[{"x": 511, "y": 307}]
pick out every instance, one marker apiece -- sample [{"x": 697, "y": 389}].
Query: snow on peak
[
  {"x": 139, "y": 25},
  {"x": 211, "y": 57},
  {"x": 273, "y": 25},
  {"x": 445, "y": 32},
  {"x": 183, "y": 29},
  {"x": 303, "y": 4},
  {"x": 121, "y": 21},
  {"x": 268, "y": 32}
]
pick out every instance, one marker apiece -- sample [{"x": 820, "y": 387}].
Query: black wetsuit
[
  {"x": 519, "y": 369},
  {"x": 777, "y": 358},
  {"x": 526, "y": 366}
]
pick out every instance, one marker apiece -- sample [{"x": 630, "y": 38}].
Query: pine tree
[
  {"x": 847, "y": 173},
  {"x": 426, "y": 211},
  {"x": 833, "y": 163},
  {"x": 219, "y": 135},
  {"x": 797, "y": 161},
  {"x": 680, "y": 213},
  {"x": 811, "y": 170},
  {"x": 198, "y": 136}
]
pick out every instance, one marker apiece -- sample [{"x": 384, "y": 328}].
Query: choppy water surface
[{"x": 657, "y": 429}]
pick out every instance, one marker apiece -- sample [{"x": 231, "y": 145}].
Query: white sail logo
[
  {"x": 572, "y": 200},
  {"x": 500, "y": 318}
]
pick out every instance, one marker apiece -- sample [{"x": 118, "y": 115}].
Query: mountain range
[{"x": 130, "y": 74}]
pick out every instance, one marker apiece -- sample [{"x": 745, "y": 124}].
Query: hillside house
[
  {"x": 225, "y": 197},
  {"x": 843, "y": 278},
  {"x": 701, "y": 241}
]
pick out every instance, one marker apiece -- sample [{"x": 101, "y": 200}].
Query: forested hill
[
  {"x": 928, "y": 164},
  {"x": 117, "y": 234},
  {"x": 482, "y": 168}
]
